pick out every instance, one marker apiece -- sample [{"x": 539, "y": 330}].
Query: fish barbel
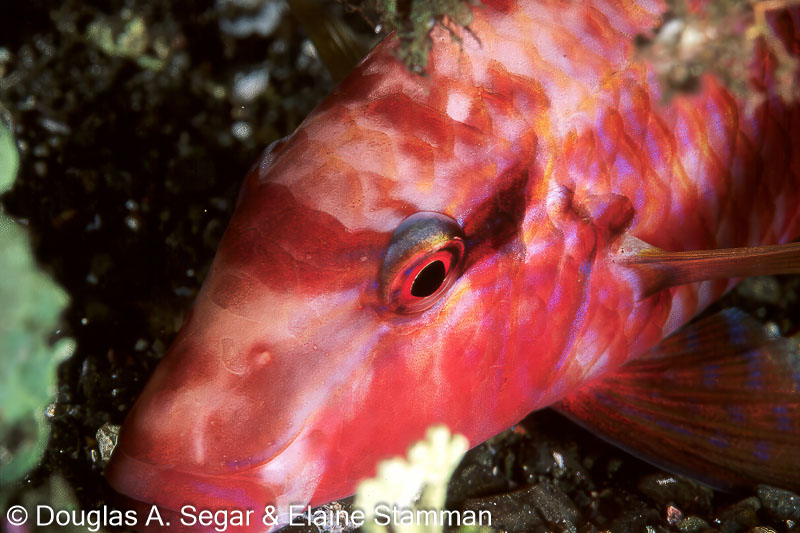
[{"x": 497, "y": 236}]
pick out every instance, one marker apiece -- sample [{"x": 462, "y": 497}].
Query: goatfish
[{"x": 528, "y": 224}]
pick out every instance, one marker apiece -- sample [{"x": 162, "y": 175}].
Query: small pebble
[
  {"x": 248, "y": 87},
  {"x": 241, "y": 130},
  {"x": 741, "y": 516},
  {"x": 132, "y": 222},
  {"x": 779, "y": 503},
  {"x": 263, "y": 23},
  {"x": 761, "y": 289},
  {"x": 692, "y": 524},
  {"x": 553, "y": 504},
  {"x": 674, "y": 515},
  {"x": 511, "y": 511},
  {"x": 685, "y": 494},
  {"x": 54, "y": 126},
  {"x": 107, "y": 440}
]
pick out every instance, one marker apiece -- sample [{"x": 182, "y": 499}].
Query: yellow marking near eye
[{"x": 463, "y": 287}]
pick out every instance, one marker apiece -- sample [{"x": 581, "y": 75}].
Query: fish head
[{"x": 387, "y": 268}]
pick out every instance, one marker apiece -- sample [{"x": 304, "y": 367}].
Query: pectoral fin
[
  {"x": 658, "y": 269},
  {"x": 719, "y": 400}
]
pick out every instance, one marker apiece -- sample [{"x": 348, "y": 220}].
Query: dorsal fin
[
  {"x": 659, "y": 269},
  {"x": 338, "y": 46},
  {"x": 719, "y": 400}
]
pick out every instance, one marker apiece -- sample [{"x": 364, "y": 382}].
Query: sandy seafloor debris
[{"x": 136, "y": 122}]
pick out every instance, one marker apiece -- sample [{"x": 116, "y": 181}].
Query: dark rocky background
[{"x": 136, "y": 121}]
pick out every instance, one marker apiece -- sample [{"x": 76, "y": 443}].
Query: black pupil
[{"x": 428, "y": 280}]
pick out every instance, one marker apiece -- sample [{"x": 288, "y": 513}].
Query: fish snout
[{"x": 206, "y": 439}]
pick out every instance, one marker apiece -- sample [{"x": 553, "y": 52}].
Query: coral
[{"x": 419, "y": 482}]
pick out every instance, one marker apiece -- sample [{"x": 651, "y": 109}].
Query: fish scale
[{"x": 540, "y": 137}]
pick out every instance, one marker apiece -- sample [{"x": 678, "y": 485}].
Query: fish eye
[
  {"x": 429, "y": 279},
  {"x": 423, "y": 260}
]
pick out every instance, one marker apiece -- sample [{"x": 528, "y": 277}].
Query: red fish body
[{"x": 311, "y": 353}]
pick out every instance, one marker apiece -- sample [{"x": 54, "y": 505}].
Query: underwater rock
[
  {"x": 529, "y": 508},
  {"x": 687, "y": 495},
  {"x": 780, "y": 504},
  {"x": 741, "y": 516},
  {"x": 512, "y": 511}
]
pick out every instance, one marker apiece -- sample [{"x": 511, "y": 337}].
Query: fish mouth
[{"x": 181, "y": 495}]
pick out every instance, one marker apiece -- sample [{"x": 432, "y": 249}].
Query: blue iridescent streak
[
  {"x": 737, "y": 330},
  {"x": 720, "y": 441},
  {"x": 784, "y": 423},
  {"x": 762, "y": 451},
  {"x": 754, "y": 370},
  {"x": 736, "y": 414},
  {"x": 711, "y": 376},
  {"x": 675, "y": 428},
  {"x": 692, "y": 342}
]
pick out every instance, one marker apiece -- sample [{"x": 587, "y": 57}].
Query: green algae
[
  {"x": 412, "y": 21},
  {"x": 9, "y": 159},
  {"x": 30, "y": 307},
  {"x": 132, "y": 42}
]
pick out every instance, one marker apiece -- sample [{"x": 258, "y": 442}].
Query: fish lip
[
  {"x": 271, "y": 458},
  {"x": 172, "y": 489}
]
